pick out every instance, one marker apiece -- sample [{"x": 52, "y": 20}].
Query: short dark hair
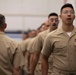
[
  {"x": 66, "y": 5},
  {"x": 53, "y": 14},
  {"x": 40, "y": 26},
  {"x": 2, "y": 19},
  {"x": 25, "y": 32}
]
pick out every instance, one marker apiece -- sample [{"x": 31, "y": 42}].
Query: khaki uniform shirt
[
  {"x": 63, "y": 48},
  {"x": 9, "y": 55},
  {"x": 24, "y": 45},
  {"x": 37, "y": 46},
  {"x": 31, "y": 45},
  {"x": 39, "y": 40}
]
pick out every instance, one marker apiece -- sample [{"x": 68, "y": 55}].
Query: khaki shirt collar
[
  {"x": 61, "y": 31},
  {"x": 48, "y": 30},
  {"x": 74, "y": 31},
  {"x": 2, "y": 32}
]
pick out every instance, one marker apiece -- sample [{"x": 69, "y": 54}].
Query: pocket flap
[{"x": 60, "y": 45}]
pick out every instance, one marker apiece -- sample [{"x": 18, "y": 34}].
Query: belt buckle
[{"x": 71, "y": 74}]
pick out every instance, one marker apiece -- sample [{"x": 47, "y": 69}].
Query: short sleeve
[
  {"x": 37, "y": 44},
  {"x": 47, "y": 48},
  {"x": 18, "y": 59}
]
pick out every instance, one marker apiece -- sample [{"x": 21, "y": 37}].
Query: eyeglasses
[
  {"x": 56, "y": 20},
  {"x": 66, "y": 12}
]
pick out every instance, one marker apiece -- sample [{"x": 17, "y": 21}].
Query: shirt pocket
[{"x": 60, "y": 47}]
